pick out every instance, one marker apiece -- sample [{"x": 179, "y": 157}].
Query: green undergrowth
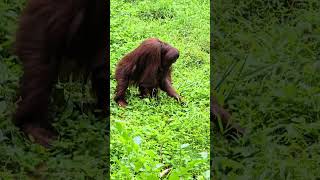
[
  {"x": 150, "y": 136},
  {"x": 266, "y": 65}
]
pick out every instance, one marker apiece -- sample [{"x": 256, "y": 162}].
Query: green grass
[
  {"x": 152, "y": 135},
  {"x": 273, "y": 91},
  {"x": 81, "y": 149}
]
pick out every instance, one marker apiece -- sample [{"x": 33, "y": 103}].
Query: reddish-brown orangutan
[
  {"x": 219, "y": 113},
  {"x": 149, "y": 68},
  {"x": 50, "y": 35}
]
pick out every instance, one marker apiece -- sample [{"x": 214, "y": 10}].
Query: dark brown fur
[
  {"x": 218, "y": 112},
  {"x": 149, "y": 68},
  {"x": 50, "y": 34}
]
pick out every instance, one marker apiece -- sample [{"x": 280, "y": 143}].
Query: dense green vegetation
[
  {"x": 152, "y": 135},
  {"x": 272, "y": 51},
  {"x": 81, "y": 149}
]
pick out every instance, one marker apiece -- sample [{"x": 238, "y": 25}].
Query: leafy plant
[
  {"x": 159, "y": 136},
  {"x": 275, "y": 94}
]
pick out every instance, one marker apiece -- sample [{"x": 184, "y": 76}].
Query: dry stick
[{"x": 165, "y": 172}]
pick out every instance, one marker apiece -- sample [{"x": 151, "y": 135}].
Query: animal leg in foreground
[
  {"x": 49, "y": 34},
  {"x": 217, "y": 112}
]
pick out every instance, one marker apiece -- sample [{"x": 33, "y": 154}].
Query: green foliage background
[
  {"x": 151, "y": 135},
  {"x": 273, "y": 89}
]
